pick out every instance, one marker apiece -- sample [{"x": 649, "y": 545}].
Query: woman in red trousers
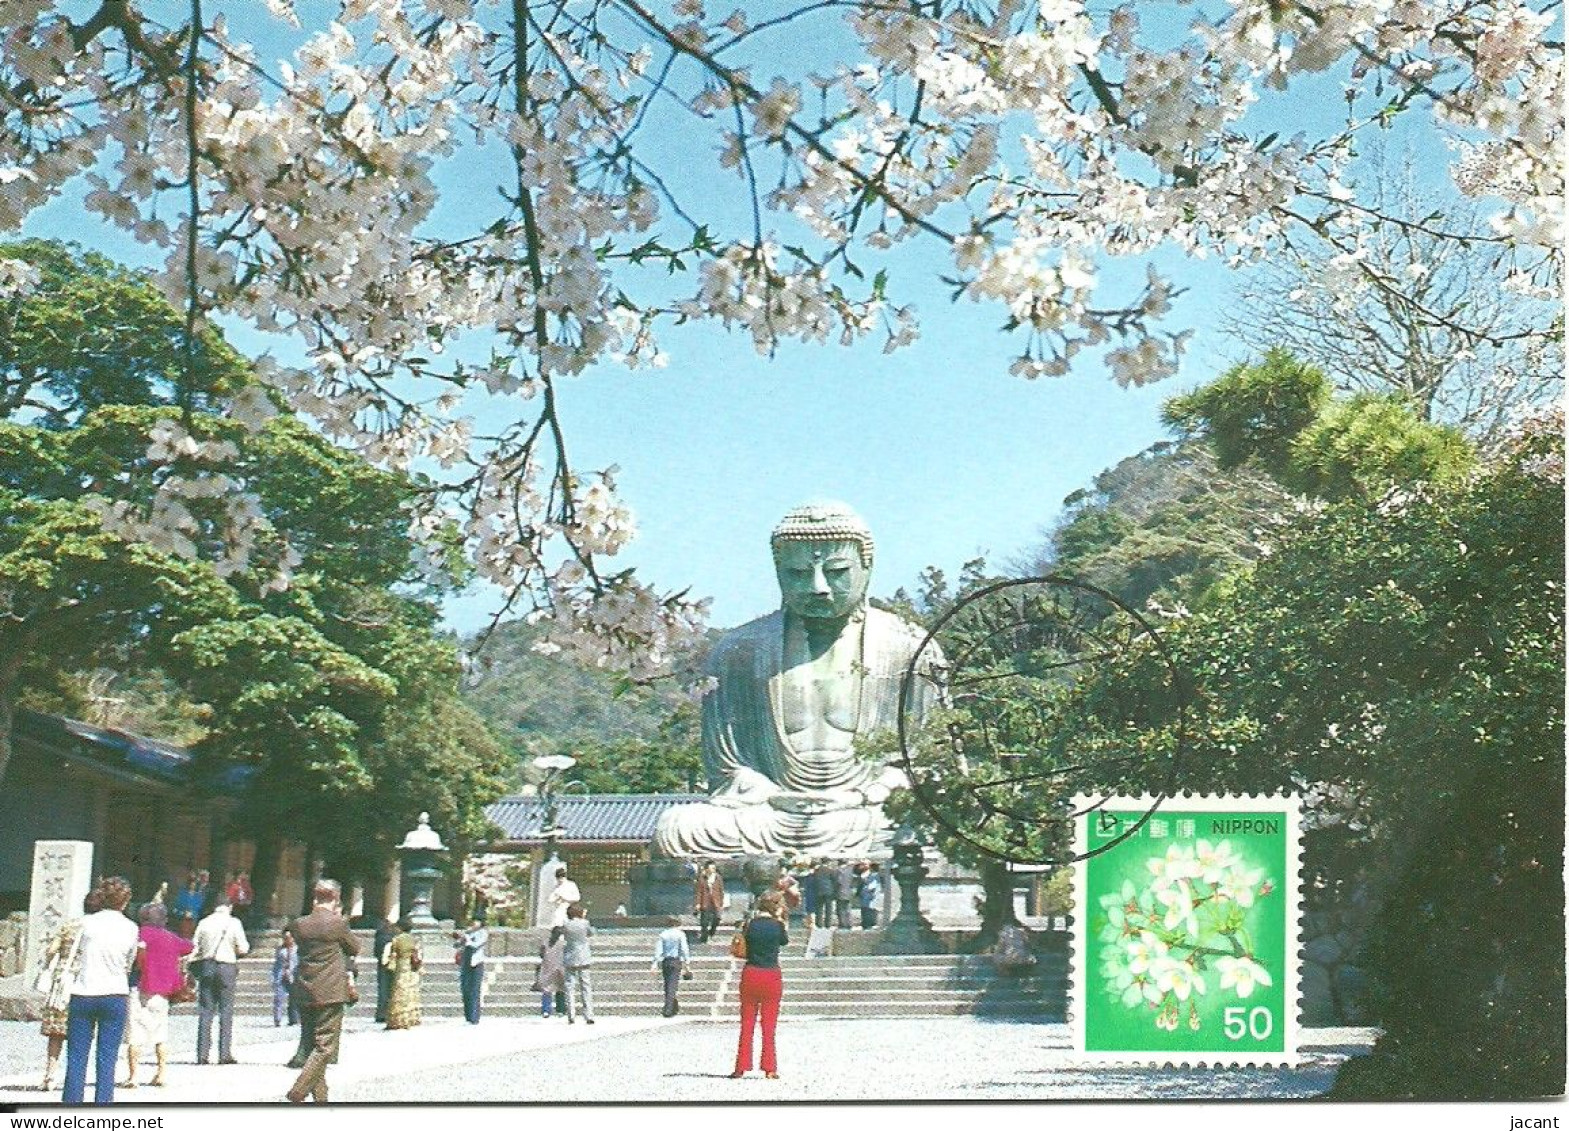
[{"x": 761, "y": 983}]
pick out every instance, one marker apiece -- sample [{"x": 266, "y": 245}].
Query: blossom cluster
[
  {"x": 1167, "y": 943},
  {"x": 1031, "y": 141}
]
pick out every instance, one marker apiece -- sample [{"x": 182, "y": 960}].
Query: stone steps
[{"x": 840, "y": 986}]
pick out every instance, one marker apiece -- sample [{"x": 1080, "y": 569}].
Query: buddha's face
[{"x": 821, "y": 580}]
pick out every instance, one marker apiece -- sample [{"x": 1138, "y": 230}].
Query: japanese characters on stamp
[{"x": 1186, "y": 933}]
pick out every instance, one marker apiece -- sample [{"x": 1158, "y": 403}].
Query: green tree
[
  {"x": 1398, "y": 656},
  {"x": 94, "y": 333},
  {"x": 334, "y": 694},
  {"x": 1278, "y": 415},
  {"x": 1404, "y": 661},
  {"x": 1165, "y": 524},
  {"x": 1253, "y": 412}
]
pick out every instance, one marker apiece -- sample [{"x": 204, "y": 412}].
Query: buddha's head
[{"x": 823, "y": 558}]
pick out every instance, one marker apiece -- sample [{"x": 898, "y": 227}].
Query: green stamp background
[{"x": 1111, "y": 1026}]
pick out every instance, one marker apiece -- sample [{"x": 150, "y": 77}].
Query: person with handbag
[
  {"x": 218, "y": 946},
  {"x": 325, "y": 984},
  {"x": 54, "y": 982},
  {"x": 762, "y": 986},
  {"x": 108, "y": 950},
  {"x": 550, "y": 982},
  {"x": 672, "y": 962},
  {"x": 162, "y": 979},
  {"x": 404, "y": 959}
]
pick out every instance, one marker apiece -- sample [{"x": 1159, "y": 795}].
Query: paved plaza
[{"x": 650, "y": 1059}]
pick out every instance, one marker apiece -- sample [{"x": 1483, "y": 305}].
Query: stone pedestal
[
  {"x": 421, "y": 851},
  {"x": 909, "y": 932},
  {"x": 62, "y": 877}
]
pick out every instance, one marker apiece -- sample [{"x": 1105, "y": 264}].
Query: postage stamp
[{"x": 1186, "y": 934}]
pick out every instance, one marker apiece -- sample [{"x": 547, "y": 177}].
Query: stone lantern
[
  {"x": 909, "y": 933},
  {"x": 421, "y": 853}
]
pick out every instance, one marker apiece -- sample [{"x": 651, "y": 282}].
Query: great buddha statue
[{"x": 791, "y": 694}]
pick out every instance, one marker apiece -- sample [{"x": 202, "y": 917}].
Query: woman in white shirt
[
  {"x": 563, "y": 896},
  {"x": 106, "y": 954}
]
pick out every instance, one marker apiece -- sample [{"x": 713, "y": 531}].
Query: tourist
[
  {"x": 826, "y": 883},
  {"x": 386, "y": 931},
  {"x": 551, "y": 980},
  {"x": 708, "y": 901},
  {"x": 871, "y": 895},
  {"x": 107, "y": 949},
  {"x": 404, "y": 959},
  {"x": 807, "y": 884},
  {"x": 471, "y": 967},
  {"x": 188, "y": 904},
  {"x": 240, "y": 895},
  {"x": 846, "y": 891},
  {"x": 672, "y": 962},
  {"x": 285, "y": 964},
  {"x": 161, "y": 979},
  {"x": 789, "y": 889},
  {"x": 762, "y": 985},
  {"x": 325, "y": 985},
  {"x": 219, "y": 945},
  {"x": 575, "y": 955},
  {"x": 563, "y": 896},
  {"x": 54, "y": 982}
]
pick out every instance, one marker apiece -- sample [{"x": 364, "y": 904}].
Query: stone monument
[
  {"x": 62, "y": 877},
  {"x": 791, "y": 694}
]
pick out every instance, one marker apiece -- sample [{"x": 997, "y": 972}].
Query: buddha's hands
[
  {"x": 746, "y": 787},
  {"x": 810, "y": 804}
]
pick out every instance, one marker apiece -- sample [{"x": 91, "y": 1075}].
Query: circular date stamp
[{"x": 1052, "y": 695}]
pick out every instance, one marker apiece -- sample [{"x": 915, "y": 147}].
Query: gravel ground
[
  {"x": 653, "y": 1060},
  {"x": 951, "y": 1058}
]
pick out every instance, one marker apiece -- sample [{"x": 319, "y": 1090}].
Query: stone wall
[
  {"x": 1334, "y": 987},
  {"x": 13, "y": 939}
]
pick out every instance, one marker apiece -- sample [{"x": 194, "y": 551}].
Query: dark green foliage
[
  {"x": 335, "y": 693},
  {"x": 1165, "y": 523},
  {"x": 1408, "y": 653},
  {"x": 93, "y": 334},
  {"x": 1278, "y": 416},
  {"x": 1254, "y": 412},
  {"x": 1369, "y": 441}
]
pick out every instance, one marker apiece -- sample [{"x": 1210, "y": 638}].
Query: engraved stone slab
[{"x": 62, "y": 877}]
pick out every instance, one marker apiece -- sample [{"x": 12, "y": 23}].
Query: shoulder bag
[{"x": 738, "y": 940}]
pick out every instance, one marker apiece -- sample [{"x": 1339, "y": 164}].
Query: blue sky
[{"x": 945, "y": 455}]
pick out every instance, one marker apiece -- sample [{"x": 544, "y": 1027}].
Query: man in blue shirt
[
  {"x": 871, "y": 896},
  {"x": 672, "y": 960}
]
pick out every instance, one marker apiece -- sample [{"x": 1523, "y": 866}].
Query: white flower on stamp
[
  {"x": 1177, "y": 977},
  {"x": 1180, "y": 911},
  {"x": 1243, "y": 974}
]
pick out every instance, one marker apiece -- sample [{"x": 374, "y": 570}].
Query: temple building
[
  {"x": 148, "y": 811},
  {"x": 600, "y": 837}
]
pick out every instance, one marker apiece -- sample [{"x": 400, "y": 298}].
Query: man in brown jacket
[
  {"x": 322, "y": 985},
  {"x": 708, "y": 900}
]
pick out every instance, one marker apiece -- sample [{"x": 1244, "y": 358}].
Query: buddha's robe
[{"x": 779, "y": 728}]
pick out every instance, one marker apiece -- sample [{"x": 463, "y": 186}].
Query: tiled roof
[
  {"x": 587, "y": 817},
  {"x": 119, "y": 754}
]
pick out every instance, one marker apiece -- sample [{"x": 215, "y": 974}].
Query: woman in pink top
[{"x": 161, "y": 979}]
